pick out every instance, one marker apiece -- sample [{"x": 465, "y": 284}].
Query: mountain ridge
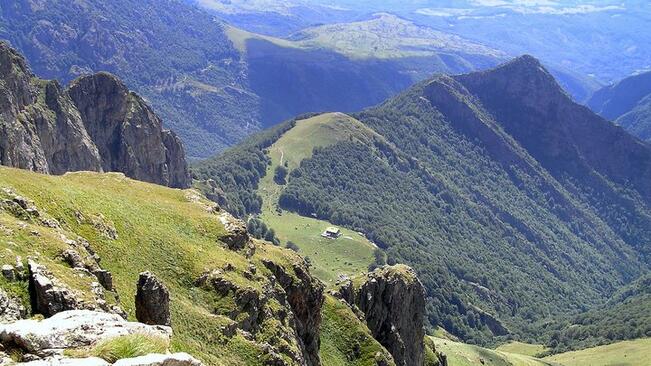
[{"x": 476, "y": 183}]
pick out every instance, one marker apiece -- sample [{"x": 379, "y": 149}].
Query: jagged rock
[
  {"x": 52, "y": 138},
  {"x": 152, "y": 301},
  {"x": 72, "y": 329},
  {"x": 290, "y": 300},
  {"x": 10, "y": 309},
  {"x": 127, "y": 132},
  {"x": 87, "y": 260},
  {"x": 305, "y": 297},
  {"x": 105, "y": 278},
  {"x": 236, "y": 235},
  {"x": 48, "y": 295},
  {"x": 73, "y": 258},
  {"x": 96, "y": 125},
  {"x": 175, "y": 359},
  {"x": 392, "y": 300},
  {"x": 9, "y": 272}
]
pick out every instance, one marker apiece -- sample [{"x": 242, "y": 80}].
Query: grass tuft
[{"x": 127, "y": 346}]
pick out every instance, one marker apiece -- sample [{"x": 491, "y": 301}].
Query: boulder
[
  {"x": 236, "y": 236},
  {"x": 72, "y": 329},
  {"x": 9, "y": 272},
  {"x": 152, "y": 301},
  {"x": 73, "y": 258},
  {"x": 175, "y": 359},
  {"x": 90, "y": 361}
]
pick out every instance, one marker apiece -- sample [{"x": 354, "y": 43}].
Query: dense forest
[{"x": 625, "y": 316}]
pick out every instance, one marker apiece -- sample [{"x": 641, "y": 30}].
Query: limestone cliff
[
  {"x": 392, "y": 301},
  {"x": 97, "y": 124}
]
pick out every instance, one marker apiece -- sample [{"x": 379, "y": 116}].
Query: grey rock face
[
  {"x": 152, "y": 301},
  {"x": 49, "y": 297},
  {"x": 40, "y": 128},
  {"x": 127, "y": 132},
  {"x": 95, "y": 125},
  {"x": 305, "y": 297},
  {"x": 10, "y": 309},
  {"x": 392, "y": 301}
]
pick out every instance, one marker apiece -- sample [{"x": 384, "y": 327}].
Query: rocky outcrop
[
  {"x": 236, "y": 235},
  {"x": 152, "y": 301},
  {"x": 127, "y": 132},
  {"x": 305, "y": 297},
  {"x": 392, "y": 301},
  {"x": 97, "y": 124},
  {"x": 72, "y": 329},
  {"x": 282, "y": 314},
  {"x": 49, "y": 296},
  {"x": 10, "y": 308},
  {"x": 40, "y": 128}
]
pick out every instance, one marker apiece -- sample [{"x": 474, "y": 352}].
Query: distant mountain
[
  {"x": 628, "y": 103},
  {"x": 177, "y": 57},
  {"x": 216, "y": 84},
  {"x": 96, "y": 124},
  {"x": 515, "y": 205}
]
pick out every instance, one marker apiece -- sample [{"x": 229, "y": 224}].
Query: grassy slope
[
  {"x": 239, "y": 37},
  {"x": 166, "y": 231},
  {"x": 343, "y": 335},
  {"x": 625, "y": 353},
  {"x": 460, "y": 354},
  {"x": 385, "y": 36},
  {"x": 388, "y": 36},
  {"x": 351, "y": 253},
  {"x": 520, "y": 348}
]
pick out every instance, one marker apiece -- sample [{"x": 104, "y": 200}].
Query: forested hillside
[
  {"x": 495, "y": 186},
  {"x": 212, "y": 83},
  {"x": 628, "y": 103}
]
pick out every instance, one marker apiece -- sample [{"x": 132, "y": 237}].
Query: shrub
[{"x": 280, "y": 175}]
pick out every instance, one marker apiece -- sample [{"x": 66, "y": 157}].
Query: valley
[
  {"x": 373, "y": 173},
  {"x": 300, "y": 183},
  {"x": 351, "y": 253}
]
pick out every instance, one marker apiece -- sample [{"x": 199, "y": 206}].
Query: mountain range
[
  {"x": 424, "y": 188},
  {"x": 185, "y": 61},
  {"x": 562, "y": 33},
  {"x": 495, "y": 186},
  {"x": 628, "y": 103}
]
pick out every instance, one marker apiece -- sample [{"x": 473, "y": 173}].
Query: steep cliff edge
[
  {"x": 97, "y": 124},
  {"x": 83, "y": 241},
  {"x": 392, "y": 302}
]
